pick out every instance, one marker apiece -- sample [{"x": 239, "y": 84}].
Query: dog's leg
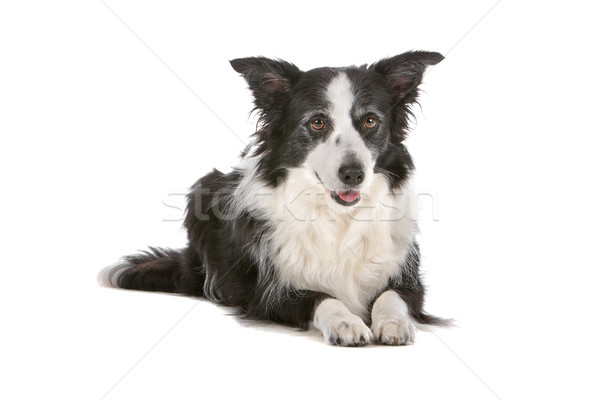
[
  {"x": 339, "y": 325},
  {"x": 309, "y": 309},
  {"x": 392, "y": 323}
]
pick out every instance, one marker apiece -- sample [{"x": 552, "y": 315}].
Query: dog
[{"x": 315, "y": 228}]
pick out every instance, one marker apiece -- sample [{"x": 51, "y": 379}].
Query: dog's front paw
[
  {"x": 392, "y": 323},
  {"x": 339, "y": 326},
  {"x": 394, "y": 331},
  {"x": 349, "y": 333}
]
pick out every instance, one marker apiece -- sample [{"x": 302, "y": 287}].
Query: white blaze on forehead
[
  {"x": 344, "y": 140},
  {"x": 341, "y": 97}
]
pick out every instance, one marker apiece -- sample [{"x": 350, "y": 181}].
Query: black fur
[
  {"x": 218, "y": 262},
  {"x": 410, "y": 287}
]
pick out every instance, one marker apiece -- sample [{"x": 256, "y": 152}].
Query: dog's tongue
[{"x": 349, "y": 195}]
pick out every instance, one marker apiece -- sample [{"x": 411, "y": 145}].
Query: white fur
[
  {"x": 339, "y": 325},
  {"x": 392, "y": 323},
  {"x": 109, "y": 276},
  {"x": 317, "y": 244},
  {"x": 327, "y": 157}
]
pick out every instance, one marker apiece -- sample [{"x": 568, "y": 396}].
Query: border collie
[{"x": 315, "y": 228}]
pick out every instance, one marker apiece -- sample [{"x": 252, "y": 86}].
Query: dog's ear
[
  {"x": 269, "y": 80},
  {"x": 404, "y": 72}
]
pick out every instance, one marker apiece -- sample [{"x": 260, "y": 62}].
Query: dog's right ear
[{"x": 269, "y": 80}]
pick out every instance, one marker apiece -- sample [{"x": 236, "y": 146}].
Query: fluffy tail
[{"x": 157, "y": 270}]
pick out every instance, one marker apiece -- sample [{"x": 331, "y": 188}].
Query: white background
[{"x": 104, "y": 114}]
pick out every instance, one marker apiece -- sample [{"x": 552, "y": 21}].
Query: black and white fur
[{"x": 315, "y": 228}]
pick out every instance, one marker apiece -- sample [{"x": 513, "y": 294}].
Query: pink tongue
[{"x": 349, "y": 195}]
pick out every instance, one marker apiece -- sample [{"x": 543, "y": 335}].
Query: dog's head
[{"x": 342, "y": 124}]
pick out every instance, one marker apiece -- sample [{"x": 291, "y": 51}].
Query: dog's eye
[
  {"x": 317, "y": 124},
  {"x": 370, "y": 123}
]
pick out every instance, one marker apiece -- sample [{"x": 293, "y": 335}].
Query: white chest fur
[{"x": 347, "y": 252}]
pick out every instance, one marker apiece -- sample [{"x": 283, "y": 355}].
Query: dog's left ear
[
  {"x": 404, "y": 72},
  {"x": 269, "y": 80}
]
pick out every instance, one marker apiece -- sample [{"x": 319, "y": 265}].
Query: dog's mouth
[{"x": 346, "y": 197}]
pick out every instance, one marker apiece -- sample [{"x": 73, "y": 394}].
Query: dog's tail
[{"x": 156, "y": 270}]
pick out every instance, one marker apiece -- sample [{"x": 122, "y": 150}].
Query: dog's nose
[{"x": 352, "y": 174}]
